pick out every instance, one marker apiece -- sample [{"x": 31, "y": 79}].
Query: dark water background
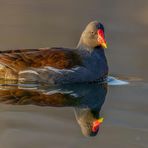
[{"x": 46, "y": 23}]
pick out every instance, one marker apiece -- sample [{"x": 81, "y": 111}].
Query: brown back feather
[
  {"x": 55, "y": 57},
  {"x": 13, "y": 61}
]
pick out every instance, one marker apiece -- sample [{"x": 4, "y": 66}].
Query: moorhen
[{"x": 85, "y": 63}]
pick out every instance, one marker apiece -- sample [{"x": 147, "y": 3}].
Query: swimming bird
[{"x": 85, "y": 63}]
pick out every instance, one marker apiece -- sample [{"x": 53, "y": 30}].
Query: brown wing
[
  {"x": 12, "y": 61},
  {"x": 24, "y": 58}
]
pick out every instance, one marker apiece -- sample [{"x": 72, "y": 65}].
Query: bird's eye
[{"x": 93, "y": 33}]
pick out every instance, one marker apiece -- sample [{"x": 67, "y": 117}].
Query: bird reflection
[{"x": 86, "y": 99}]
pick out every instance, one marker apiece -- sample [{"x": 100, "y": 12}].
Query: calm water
[{"x": 50, "y": 122}]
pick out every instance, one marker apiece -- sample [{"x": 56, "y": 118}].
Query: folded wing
[{"x": 13, "y": 61}]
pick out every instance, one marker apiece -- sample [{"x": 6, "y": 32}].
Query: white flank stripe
[
  {"x": 28, "y": 71},
  {"x": 54, "y": 69}
]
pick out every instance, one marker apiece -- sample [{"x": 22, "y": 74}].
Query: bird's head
[{"x": 93, "y": 36}]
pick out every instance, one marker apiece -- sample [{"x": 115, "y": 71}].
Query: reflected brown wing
[
  {"x": 56, "y": 57},
  {"x": 26, "y": 97}
]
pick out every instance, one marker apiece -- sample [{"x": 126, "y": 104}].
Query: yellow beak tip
[
  {"x": 100, "y": 120},
  {"x": 104, "y": 45}
]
